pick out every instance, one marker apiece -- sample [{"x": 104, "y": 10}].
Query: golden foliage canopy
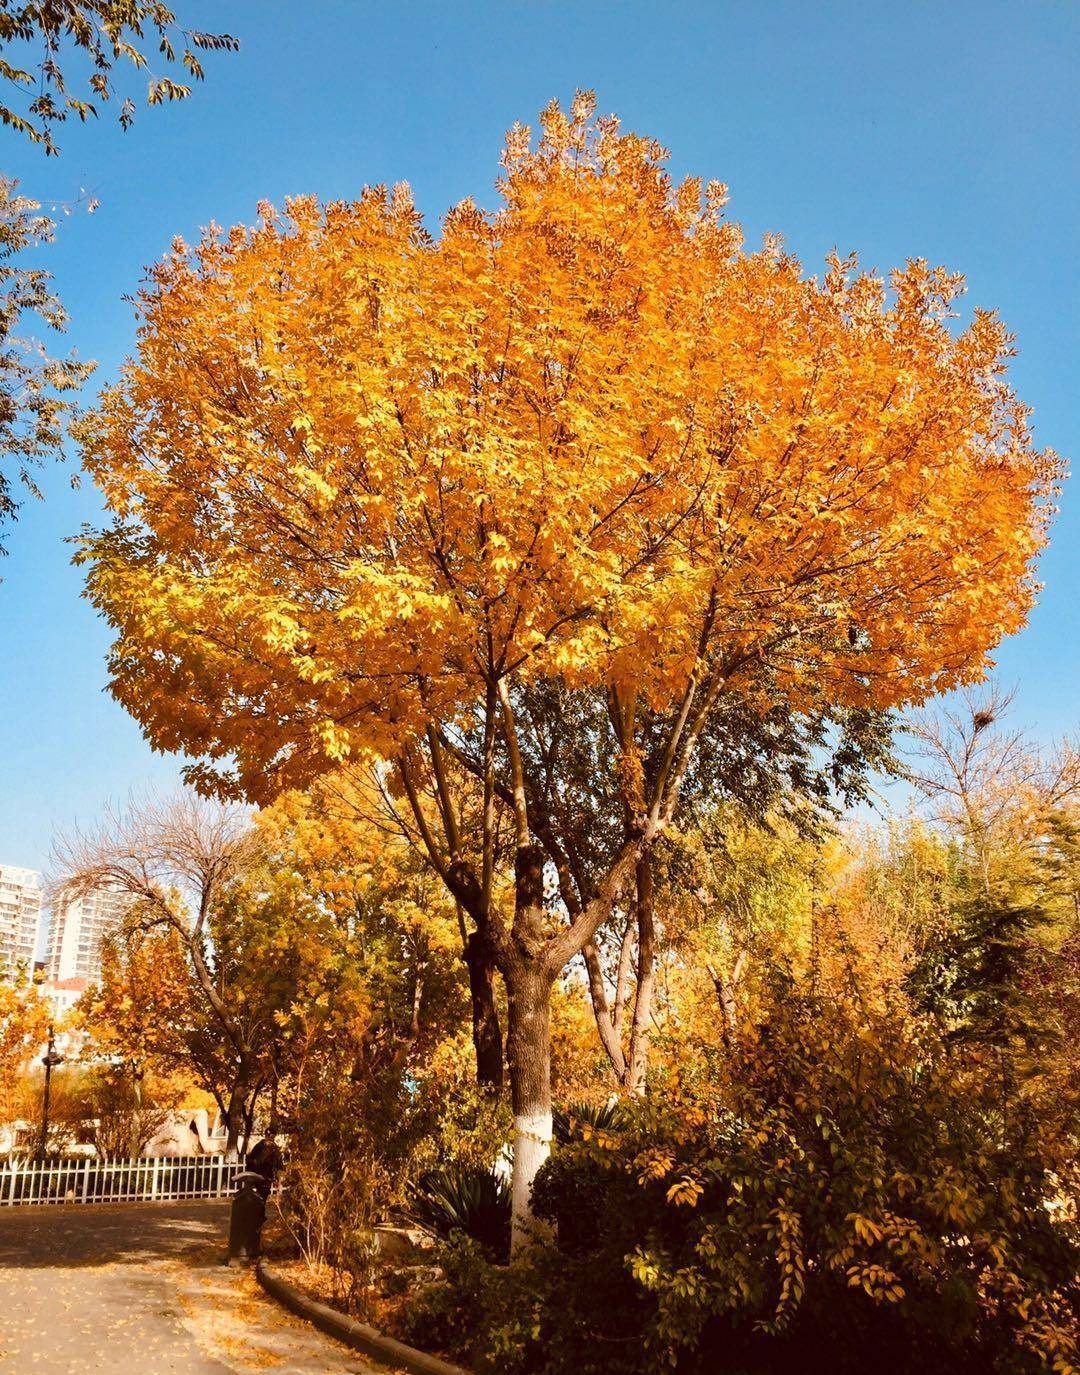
[{"x": 360, "y": 474}]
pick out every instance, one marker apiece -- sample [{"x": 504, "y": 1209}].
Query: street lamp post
[{"x": 49, "y": 1060}]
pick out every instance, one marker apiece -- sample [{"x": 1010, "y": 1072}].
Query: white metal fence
[{"x": 118, "y": 1181}]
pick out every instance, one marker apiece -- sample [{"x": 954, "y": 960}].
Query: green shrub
[
  {"x": 543, "y": 1314},
  {"x": 845, "y": 1187}
]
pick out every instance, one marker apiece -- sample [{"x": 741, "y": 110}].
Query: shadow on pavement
[{"x": 104, "y": 1234}]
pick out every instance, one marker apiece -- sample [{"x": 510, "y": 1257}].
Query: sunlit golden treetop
[{"x": 360, "y": 473}]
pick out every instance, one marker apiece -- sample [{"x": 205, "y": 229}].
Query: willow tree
[{"x": 370, "y": 484}]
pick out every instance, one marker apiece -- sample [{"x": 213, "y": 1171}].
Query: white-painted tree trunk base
[{"x": 532, "y": 1146}]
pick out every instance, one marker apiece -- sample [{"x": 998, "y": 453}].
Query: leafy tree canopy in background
[
  {"x": 33, "y": 386},
  {"x": 104, "y": 32},
  {"x": 33, "y": 405}
]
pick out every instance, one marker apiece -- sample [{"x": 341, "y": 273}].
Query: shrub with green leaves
[
  {"x": 547, "y": 1312},
  {"x": 854, "y": 1186},
  {"x": 846, "y": 1183}
]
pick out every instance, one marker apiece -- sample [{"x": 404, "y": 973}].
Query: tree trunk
[
  {"x": 528, "y": 975},
  {"x": 646, "y": 973},
  {"x": 529, "y": 1054},
  {"x": 487, "y": 1033},
  {"x": 234, "y": 1115},
  {"x": 622, "y": 974},
  {"x": 725, "y": 996},
  {"x": 249, "y": 1118},
  {"x": 605, "y": 1024}
]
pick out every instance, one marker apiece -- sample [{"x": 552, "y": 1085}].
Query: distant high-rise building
[
  {"x": 20, "y": 916},
  {"x": 78, "y": 925}
]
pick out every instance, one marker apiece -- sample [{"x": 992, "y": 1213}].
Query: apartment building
[
  {"x": 76, "y": 931},
  {"x": 20, "y": 916}
]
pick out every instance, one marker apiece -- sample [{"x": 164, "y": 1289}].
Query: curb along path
[{"x": 358, "y": 1335}]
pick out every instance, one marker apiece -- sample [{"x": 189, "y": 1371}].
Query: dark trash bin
[{"x": 247, "y": 1217}]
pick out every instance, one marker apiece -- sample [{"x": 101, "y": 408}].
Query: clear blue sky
[{"x": 948, "y": 131}]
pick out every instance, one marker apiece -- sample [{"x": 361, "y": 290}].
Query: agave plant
[
  {"x": 568, "y": 1121},
  {"x": 459, "y": 1198}
]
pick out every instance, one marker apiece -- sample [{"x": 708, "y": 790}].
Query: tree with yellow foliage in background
[
  {"x": 369, "y": 486},
  {"x": 24, "y": 1020}
]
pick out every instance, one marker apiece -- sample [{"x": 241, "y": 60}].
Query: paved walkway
[{"x": 139, "y": 1288}]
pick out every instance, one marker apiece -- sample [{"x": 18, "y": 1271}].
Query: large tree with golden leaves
[{"x": 371, "y": 486}]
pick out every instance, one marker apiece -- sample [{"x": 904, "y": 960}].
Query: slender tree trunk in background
[
  {"x": 234, "y": 1115},
  {"x": 725, "y": 996},
  {"x": 622, "y": 975},
  {"x": 529, "y": 1054},
  {"x": 605, "y": 1024},
  {"x": 646, "y": 977},
  {"x": 237, "y": 1105},
  {"x": 727, "y": 1011},
  {"x": 219, "y": 1099},
  {"x": 487, "y": 1033},
  {"x": 249, "y": 1117}
]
